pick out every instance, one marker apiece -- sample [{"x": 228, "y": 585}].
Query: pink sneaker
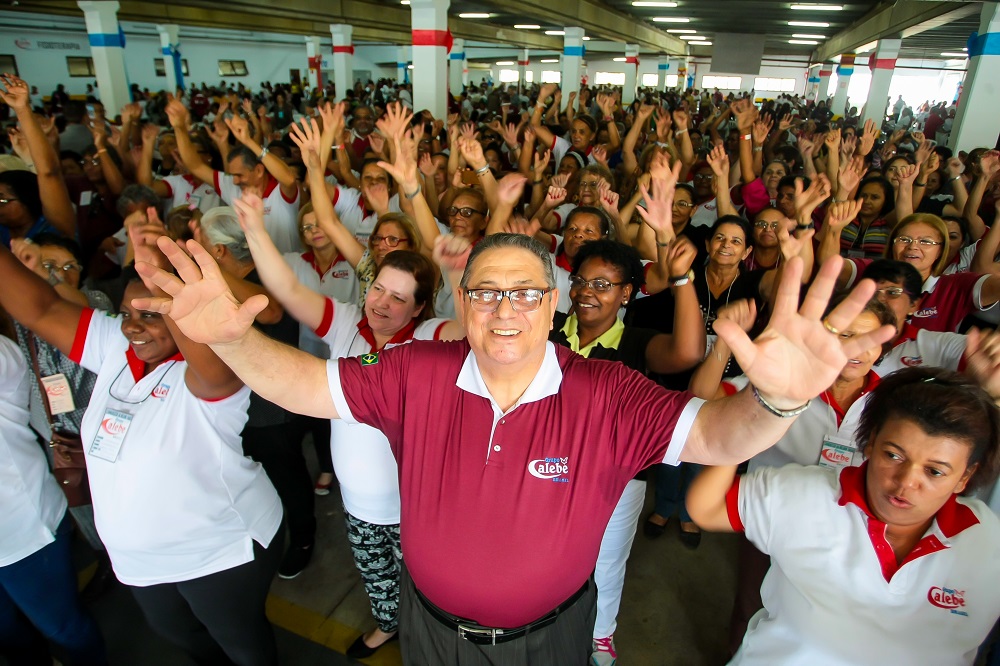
[{"x": 604, "y": 652}]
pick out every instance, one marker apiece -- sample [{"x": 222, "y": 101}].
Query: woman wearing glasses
[
  {"x": 606, "y": 276},
  {"x": 766, "y": 252},
  {"x": 398, "y": 308},
  {"x": 921, "y": 240}
]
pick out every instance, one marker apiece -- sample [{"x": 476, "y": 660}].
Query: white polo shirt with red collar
[
  {"x": 919, "y": 347},
  {"x": 362, "y": 459},
  {"x": 338, "y": 282},
  {"x": 503, "y": 512},
  {"x": 186, "y": 190},
  {"x": 835, "y": 593},
  {"x": 280, "y": 213},
  {"x": 179, "y": 500},
  {"x": 349, "y": 204},
  {"x": 561, "y": 146}
]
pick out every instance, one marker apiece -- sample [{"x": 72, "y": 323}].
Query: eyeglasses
[
  {"x": 892, "y": 293},
  {"x": 309, "y": 228},
  {"x": 589, "y": 184},
  {"x": 92, "y": 162},
  {"x": 895, "y": 169},
  {"x": 521, "y": 300},
  {"x": 600, "y": 285},
  {"x": 464, "y": 211},
  {"x": 683, "y": 204},
  {"x": 4, "y": 202},
  {"x": 773, "y": 226},
  {"x": 52, "y": 267},
  {"x": 926, "y": 242},
  {"x": 391, "y": 241},
  {"x": 703, "y": 176}
]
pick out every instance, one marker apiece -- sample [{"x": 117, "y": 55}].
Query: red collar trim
[
  {"x": 271, "y": 184},
  {"x": 562, "y": 261},
  {"x": 909, "y": 334},
  {"x": 138, "y": 367},
  {"x": 403, "y": 335},
  {"x": 871, "y": 381},
  {"x": 190, "y": 180},
  {"x": 311, "y": 258},
  {"x": 951, "y": 519}
]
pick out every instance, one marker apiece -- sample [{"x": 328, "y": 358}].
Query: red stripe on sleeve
[
  {"x": 437, "y": 331},
  {"x": 80, "y": 339},
  {"x": 215, "y": 183},
  {"x": 729, "y": 389},
  {"x": 324, "y": 325},
  {"x": 733, "y": 506}
]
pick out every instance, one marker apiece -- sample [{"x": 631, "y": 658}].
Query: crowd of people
[{"x": 780, "y": 317}]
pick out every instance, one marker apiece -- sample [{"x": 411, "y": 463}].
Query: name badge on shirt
[
  {"x": 58, "y": 393},
  {"x": 837, "y": 452},
  {"x": 86, "y": 198},
  {"x": 111, "y": 435}
]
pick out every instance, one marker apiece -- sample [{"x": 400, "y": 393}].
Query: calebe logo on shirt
[
  {"x": 912, "y": 361},
  {"x": 948, "y": 599},
  {"x": 113, "y": 426},
  {"x": 926, "y": 313},
  {"x": 555, "y": 469},
  {"x": 161, "y": 391},
  {"x": 836, "y": 457}
]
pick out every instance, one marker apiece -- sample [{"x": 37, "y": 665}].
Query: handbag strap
[{"x": 32, "y": 348}]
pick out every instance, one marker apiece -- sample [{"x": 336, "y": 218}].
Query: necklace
[{"x": 708, "y": 285}]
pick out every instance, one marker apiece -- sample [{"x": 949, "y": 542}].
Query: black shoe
[
  {"x": 653, "y": 530},
  {"x": 294, "y": 562},
  {"x": 102, "y": 581},
  {"x": 360, "y": 650},
  {"x": 690, "y": 540}
]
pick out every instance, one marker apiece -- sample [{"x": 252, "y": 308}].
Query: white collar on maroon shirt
[
  {"x": 930, "y": 283},
  {"x": 546, "y": 383}
]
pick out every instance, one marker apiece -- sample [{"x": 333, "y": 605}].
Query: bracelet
[
  {"x": 339, "y": 146},
  {"x": 679, "y": 132},
  {"x": 608, "y": 119},
  {"x": 481, "y": 171},
  {"x": 537, "y": 182},
  {"x": 758, "y": 149},
  {"x": 414, "y": 194},
  {"x": 780, "y": 413},
  {"x": 916, "y": 184},
  {"x": 681, "y": 280},
  {"x": 659, "y": 244},
  {"x": 263, "y": 153},
  {"x": 955, "y": 178},
  {"x": 746, "y": 137},
  {"x": 803, "y": 227}
]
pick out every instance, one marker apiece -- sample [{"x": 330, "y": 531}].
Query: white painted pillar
[
  {"x": 662, "y": 70},
  {"x": 343, "y": 57},
  {"x": 844, "y": 71},
  {"x": 170, "y": 47},
  {"x": 107, "y": 48},
  {"x": 456, "y": 65},
  {"x": 402, "y": 64},
  {"x": 314, "y": 58},
  {"x": 682, "y": 73},
  {"x": 881, "y": 62},
  {"x": 631, "y": 73},
  {"x": 812, "y": 81},
  {"x": 522, "y": 71},
  {"x": 572, "y": 63},
  {"x": 977, "y": 122},
  {"x": 825, "y": 71},
  {"x": 431, "y": 43}
]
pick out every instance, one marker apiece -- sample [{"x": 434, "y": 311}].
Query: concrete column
[
  {"x": 977, "y": 122},
  {"x": 682, "y": 73},
  {"x": 402, "y": 64},
  {"x": 631, "y": 73},
  {"x": 314, "y": 55},
  {"x": 522, "y": 70},
  {"x": 662, "y": 70},
  {"x": 343, "y": 57},
  {"x": 812, "y": 81},
  {"x": 107, "y": 48},
  {"x": 882, "y": 62},
  {"x": 825, "y": 71},
  {"x": 431, "y": 43},
  {"x": 844, "y": 71},
  {"x": 456, "y": 65},
  {"x": 572, "y": 63},
  {"x": 170, "y": 46}
]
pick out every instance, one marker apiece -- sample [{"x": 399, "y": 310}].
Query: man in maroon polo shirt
[{"x": 512, "y": 453}]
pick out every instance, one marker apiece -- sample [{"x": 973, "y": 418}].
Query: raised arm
[
  {"x": 706, "y": 382},
  {"x": 719, "y": 161},
  {"x": 685, "y": 347},
  {"x": 286, "y": 178},
  {"x": 745, "y": 113},
  {"x": 642, "y": 117},
  {"x": 178, "y": 116},
  {"x": 541, "y": 131},
  {"x": 144, "y": 172},
  {"x": 989, "y": 164},
  {"x": 606, "y": 103}
]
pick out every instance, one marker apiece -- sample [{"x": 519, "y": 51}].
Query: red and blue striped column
[
  {"x": 977, "y": 122},
  {"x": 881, "y": 63},
  {"x": 107, "y": 48}
]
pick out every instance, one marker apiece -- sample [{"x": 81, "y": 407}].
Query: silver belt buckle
[{"x": 492, "y": 633}]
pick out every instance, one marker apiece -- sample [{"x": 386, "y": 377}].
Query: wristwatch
[{"x": 681, "y": 280}]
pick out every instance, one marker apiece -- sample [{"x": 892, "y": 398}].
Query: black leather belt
[{"x": 480, "y": 635}]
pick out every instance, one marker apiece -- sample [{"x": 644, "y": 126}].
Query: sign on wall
[{"x": 28, "y": 45}]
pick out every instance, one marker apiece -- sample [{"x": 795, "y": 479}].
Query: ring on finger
[{"x": 828, "y": 326}]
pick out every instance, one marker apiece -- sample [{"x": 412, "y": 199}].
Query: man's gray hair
[
  {"x": 137, "y": 197},
  {"x": 221, "y": 226},
  {"x": 519, "y": 241}
]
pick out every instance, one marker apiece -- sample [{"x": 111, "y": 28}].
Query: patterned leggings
[{"x": 378, "y": 557}]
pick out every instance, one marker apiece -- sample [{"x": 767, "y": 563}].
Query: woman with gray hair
[{"x": 268, "y": 436}]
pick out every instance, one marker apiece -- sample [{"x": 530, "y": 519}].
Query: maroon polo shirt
[{"x": 503, "y": 513}]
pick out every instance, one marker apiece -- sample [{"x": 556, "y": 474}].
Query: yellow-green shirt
[{"x": 610, "y": 339}]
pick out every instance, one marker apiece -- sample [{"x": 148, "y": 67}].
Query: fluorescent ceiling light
[
  {"x": 654, "y": 4},
  {"x": 526, "y": 26},
  {"x": 404, "y": 2},
  {"x": 809, "y": 24},
  {"x": 505, "y": 62},
  {"x": 586, "y": 39},
  {"x": 965, "y": 48},
  {"x": 550, "y": 60},
  {"x": 682, "y": 31},
  {"x": 555, "y": 32},
  {"x": 700, "y": 43},
  {"x": 619, "y": 59},
  {"x": 670, "y": 19},
  {"x": 801, "y": 36},
  {"x": 819, "y": 8},
  {"x": 802, "y": 41},
  {"x": 474, "y": 15},
  {"x": 697, "y": 38},
  {"x": 409, "y": 67},
  {"x": 949, "y": 54}
]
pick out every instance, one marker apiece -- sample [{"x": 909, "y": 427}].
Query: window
[
  {"x": 549, "y": 76},
  {"x": 78, "y": 66},
  {"x": 650, "y": 80},
  {"x": 160, "y": 71},
  {"x": 610, "y": 78},
  {"x": 774, "y": 85},
  {"x": 232, "y": 68},
  {"x": 508, "y": 76},
  {"x": 8, "y": 64},
  {"x": 529, "y": 75},
  {"x": 722, "y": 82}
]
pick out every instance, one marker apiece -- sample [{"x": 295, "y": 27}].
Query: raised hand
[
  {"x": 240, "y": 129},
  {"x": 426, "y": 166},
  {"x": 517, "y": 224},
  {"x": 541, "y": 163},
  {"x": 982, "y": 357},
  {"x": 472, "y": 151},
  {"x": 681, "y": 120},
  {"x": 606, "y": 103},
  {"x": 659, "y": 198},
  {"x": 848, "y": 145},
  {"x": 850, "y": 174},
  {"x": 150, "y": 133},
  {"x": 377, "y": 142},
  {"x": 807, "y": 200},
  {"x": 333, "y": 120},
  {"x": 510, "y": 189},
  {"x": 644, "y": 113},
  {"x": 130, "y": 113},
  {"x": 663, "y": 125},
  {"x": 868, "y": 137},
  {"x": 989, "y": 164},
  {"x": 247, "y": 107},
  {"x": 800, "y": 354},
  {"x": 377, "y": 196},
  {"x": 681, "y": 256},
  {"x": 509, "y": 134},
  {"x": 250, "y": 211},
  {"x": 99, "y": 132},
  {"x": 546, "y": 91},
  {"x": 451, "y": 252},
  {"x": 718, "y": 159},
  {"x": 178, "y": 115},
  {"x": 742, "y": 312},
  {"x": 555, "y": 196},
  {"x": 746, "y": 113},
  {"x": 19, "y": 143},
  {"x": 16, "y": 95},
  {"x": 607, "y": 197},
  {"x": 784, "y": 123},
  {"x": 761, "y": 128},
  {"x": 559, "y": 180},
  {"x": 307, "y": 137},
  {"x": 790, "y": 245},
  {"x": 832, "y": 139},
  {"x": 218, "y": 132},
  {"x": 908, "y": 173},
  {"x": 806, "y": 148},
  {"x": 600, "y": 154},
  {"x": 198, "y": 299},
  {"x": 954, "y": 167},
  {"x": 404, "y": 168},
  {"x": 841, "y": 213}
]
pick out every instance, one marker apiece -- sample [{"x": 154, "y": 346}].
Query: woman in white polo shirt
[
  {"x": 37, "y": 578},
  {"x": 399, "y": 308},
  {"x": 890, "y": 562},
  {"x": 189, "y": 522}
]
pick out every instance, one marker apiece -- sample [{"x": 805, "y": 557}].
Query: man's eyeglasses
[
  {"x": 773, "y": 226},
  {"x": 892, "y": 293},
  {"x": 926, "y": 242},
  {"x": 52, "y": 267},
  {"x": 464, "y": 211},
  {"x": 391, "y": 241},
  {"x": 600, "y": 285},
  {"x": 521, "y": 300}
]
